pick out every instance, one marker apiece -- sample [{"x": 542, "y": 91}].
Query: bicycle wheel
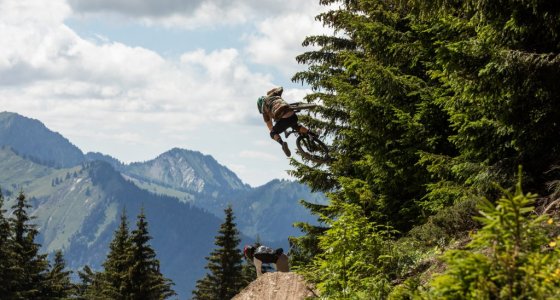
[{"x": 312, "y": 148}]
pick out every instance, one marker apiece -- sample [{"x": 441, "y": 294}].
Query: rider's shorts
[{"x": 285, "y": 123}]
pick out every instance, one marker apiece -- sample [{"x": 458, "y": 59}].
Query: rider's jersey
[{"x": 275, "y": 107}]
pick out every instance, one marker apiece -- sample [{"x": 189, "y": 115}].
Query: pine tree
[
  {"x": 428, "y": 103},
  {"x": 225, "y": 278},
  {"x": 6, "y": 254},
  {"x": 31, "y": 267},
  {"x": 59, "y": 285},
  {"x": 248, "y": 273},
  {"x": 115, "y": 282},
  {"x": 90, "y": 286},
  {"x": 146, "y": 280},
  {"x": 500, "y": 63},
  {"x": 378, "y": 108}
]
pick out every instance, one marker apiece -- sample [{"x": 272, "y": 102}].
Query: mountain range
[{"x": 77, "y": 198}]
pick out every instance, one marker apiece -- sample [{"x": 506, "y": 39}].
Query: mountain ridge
[
  {"x": 77, "y": 206},
  {"x": 32, "y": 138},
  {"x": 77, "y": 210},
  {"x": 188, "y": 170}
]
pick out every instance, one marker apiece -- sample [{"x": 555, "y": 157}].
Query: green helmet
[{"x": 260, "y": 103}]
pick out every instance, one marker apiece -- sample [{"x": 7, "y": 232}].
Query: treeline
[
  {"x": 430, "y": 107},
  {"x": 131, "y": 269}
]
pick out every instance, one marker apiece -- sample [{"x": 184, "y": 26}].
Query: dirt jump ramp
[{"x": 277, "y": 286}]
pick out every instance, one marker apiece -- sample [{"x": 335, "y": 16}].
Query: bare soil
[{"x": 277, "y": 286}]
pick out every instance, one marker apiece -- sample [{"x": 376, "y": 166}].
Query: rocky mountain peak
[{"x": 187, "y": 170}]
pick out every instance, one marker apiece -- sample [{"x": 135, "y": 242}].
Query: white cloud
[
  {"x": 259, "y": 155},
  {"x": 132, "y": 103},
  {"x": 279, "y": 40},
  {"x": 192, "y": 14},
  {"x": 116, "y": 78},
  {"x": 280, "y": 26}
]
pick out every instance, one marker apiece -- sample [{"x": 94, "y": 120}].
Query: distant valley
[{"x": 78, "y": 197}]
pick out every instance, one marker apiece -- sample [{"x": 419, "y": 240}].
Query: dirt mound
[{"x": 277, "y": 286}]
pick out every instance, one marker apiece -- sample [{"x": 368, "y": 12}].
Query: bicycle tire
[{"x": 312, "y": 148}]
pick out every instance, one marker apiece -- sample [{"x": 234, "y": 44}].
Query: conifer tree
[
  {"x": 499, "y": 62},
  {"x": 146, "y": 280},
  {"x": 248, "y": 273},
  {"x": 378, "y": 108},
  {"x": 90, "y": 286},
  {"x": 428, "y": 103},
  {"x": 115, "y": 282},
  {"x": 31, "y": 267},
  {"x": 6, "y": 254},
  {"x": 225, "y": 278},
  {"x": 58, "y": 278},
  {"x": 380, "y": 113}
]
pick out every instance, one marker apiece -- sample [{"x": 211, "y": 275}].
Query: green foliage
[
  {"x": 58, "y": 279},
  {"x": 428, "y": 104},
  {"x": 452, "y": 222},
  {"x": 350, "y": 246},
  {"x": 248, "y": 274},
  {"x": 131, "y": 270},
  {"x": 512, "y": 257},
  {"x": 225, "y": 278},
  {"x": 379, "y": 109},
  {"x": 146, "y": 281},
  {"x": 497, "y": 62},
  {"x": 304, "y": 248},
  {"x": 90, "y": 284},
  {"x": 115, "y": 281},
  {"x": 24, "y": 272},
  {"x": 6, "y": 254},
  {"x": 30, "y": 269}
]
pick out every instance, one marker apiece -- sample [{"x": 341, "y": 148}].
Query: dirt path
[{"x": 276, "y": 286}]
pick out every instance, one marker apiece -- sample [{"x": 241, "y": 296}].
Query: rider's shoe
[{"x": 286, "y": 149}]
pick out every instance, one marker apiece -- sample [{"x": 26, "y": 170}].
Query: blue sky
[{"x": 135, "y": 78}]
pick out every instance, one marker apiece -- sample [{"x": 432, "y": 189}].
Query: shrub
[{"x": 512, "y": 257}]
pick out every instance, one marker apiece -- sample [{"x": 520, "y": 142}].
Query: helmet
[
  {"x": 260, "y": 103},
  {"x": 277, "y": 91}
]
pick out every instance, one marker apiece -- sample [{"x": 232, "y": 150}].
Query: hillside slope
[
  {"x": 77, "y": 209},
  {"x": 31, "y": 138},
  {"x": 77, "y": 199},
  {"x": 277, "y": 286}
]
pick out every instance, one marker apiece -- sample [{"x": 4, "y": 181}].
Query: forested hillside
[
  {"x": 76, "y": 208},
  {"x": 432, "y": 107}
]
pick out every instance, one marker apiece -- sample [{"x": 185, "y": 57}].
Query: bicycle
[{"x": 309, "y": 144}]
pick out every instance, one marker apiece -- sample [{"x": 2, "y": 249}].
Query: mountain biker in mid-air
[{"x": 273, "y": 107}]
